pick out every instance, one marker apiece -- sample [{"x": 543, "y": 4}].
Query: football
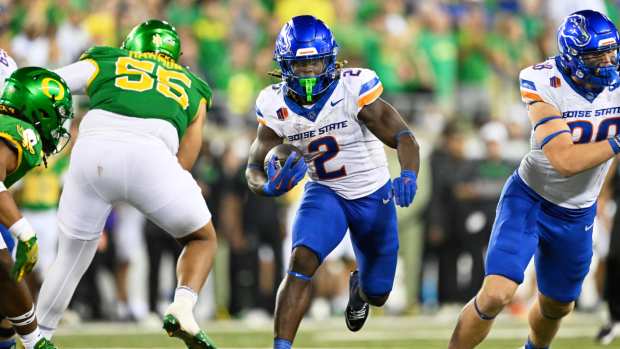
[{"x": 282, "y": 151}]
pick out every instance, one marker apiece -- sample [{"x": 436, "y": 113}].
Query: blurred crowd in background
[{"x": 451, "y": 69}]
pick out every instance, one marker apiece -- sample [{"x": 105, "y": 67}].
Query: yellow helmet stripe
[{"x": 45, "y": 85}]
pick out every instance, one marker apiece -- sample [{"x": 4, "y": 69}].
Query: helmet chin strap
[
  {"x": 594, "y": 78},
  {"x": 600, "y": 78},
  {"x": 606, "y": 76},
  {"x": 308, "y": 84}
]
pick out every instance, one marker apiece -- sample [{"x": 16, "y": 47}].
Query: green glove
[{"x": 25, "y": 258}]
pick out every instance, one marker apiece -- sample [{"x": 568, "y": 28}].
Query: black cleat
[
  {"x": 357, "y": 310},
  {"x": 607, "y": 333}
]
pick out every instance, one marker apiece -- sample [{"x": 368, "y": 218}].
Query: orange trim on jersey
[
  {"x": 18, "y": 146},
  {"x": 92, "y": 77},
  {"x": 261, "y": 121},
  {"x": 531, "y": 95},
  {"x": 370, "y": 97}
]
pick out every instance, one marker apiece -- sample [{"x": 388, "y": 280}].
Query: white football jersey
[
  {"x": 591, "y": 118},
  {"x": 340, "y": 150},
  {"x": 7, "y": 67}
]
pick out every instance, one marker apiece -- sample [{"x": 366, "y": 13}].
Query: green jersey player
[
  {"x": 145, "y": 85},
  {"x": 136, "y": 144},
  {"x": 33, "y": 107}
]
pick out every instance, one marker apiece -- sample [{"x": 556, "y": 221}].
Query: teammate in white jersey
[
  {"x": 335, "y": 116},
  {"x": 7, "y": 66},
  {"x": 548, "y": 206}
]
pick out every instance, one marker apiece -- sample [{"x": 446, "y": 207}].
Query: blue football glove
[
  {"x": 282, "y": 180},
  {"x": 404, "y": 188}
]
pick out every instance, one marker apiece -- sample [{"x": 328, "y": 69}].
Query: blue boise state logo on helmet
[
  {"x": 283, "y": 44},
  {"x": 306, "y": 38},
  {"x": 575, "y": 31},
  {"x": 589, "y": 32}
]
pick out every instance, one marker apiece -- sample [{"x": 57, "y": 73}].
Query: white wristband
[
  {"x": 2, "y": 187},
  {"x": 22, "y": 229}
]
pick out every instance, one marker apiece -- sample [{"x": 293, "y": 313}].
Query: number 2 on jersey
[
  {"x": 329, "y": 149},
  {"x": 127, "y": 66}
]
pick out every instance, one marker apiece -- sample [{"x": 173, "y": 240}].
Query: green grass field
[{"x": 381, "y": 332}]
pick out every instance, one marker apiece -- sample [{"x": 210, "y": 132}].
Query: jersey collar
[
  {"x": 313, "y": 112},
  {"x": 589, "y": 95}
]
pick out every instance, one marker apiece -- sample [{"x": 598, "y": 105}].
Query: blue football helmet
[
  {"x": 589, "y": 32},
  {"x": 305, "y": 38}
]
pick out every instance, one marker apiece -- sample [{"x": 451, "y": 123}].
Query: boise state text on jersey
[
  {"x": 590, "y": 118},
  {"x": 589, "y": 113},
  {"x": 543, "y": 213},
  {"x": 338, "y": 145}
]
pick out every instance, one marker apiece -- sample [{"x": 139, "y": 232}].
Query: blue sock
[
  {"x": 529, "y": 345},
  {"x": 8, "y": 343},
  {"x": 279, "y": 343}
]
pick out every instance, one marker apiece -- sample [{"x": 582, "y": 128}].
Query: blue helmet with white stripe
[
  {"x": 588, "y": 33},
  {"x": 306, "y": 38}
]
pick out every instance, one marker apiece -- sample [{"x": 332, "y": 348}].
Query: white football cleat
[
  {"x": 607, "y": 333},
  {"x": 183, "y": 312},
  {"x": 179, "y": 322}
]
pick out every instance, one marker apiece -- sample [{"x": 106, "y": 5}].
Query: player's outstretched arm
[
  {"x": 255, "y": 175},
  {"x": 554, "y": 136},
  {"x": 10, "y": 216},
  {"x": 190, "y": 145},
  {"x": 78, "y": 75},
  {"x": 387, "y": 124}
]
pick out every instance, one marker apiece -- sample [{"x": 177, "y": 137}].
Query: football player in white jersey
[
  {"x": 548, "y": 206},
  {"x": 7, "y": 66},
  {"x": 336, "y": 118}
]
